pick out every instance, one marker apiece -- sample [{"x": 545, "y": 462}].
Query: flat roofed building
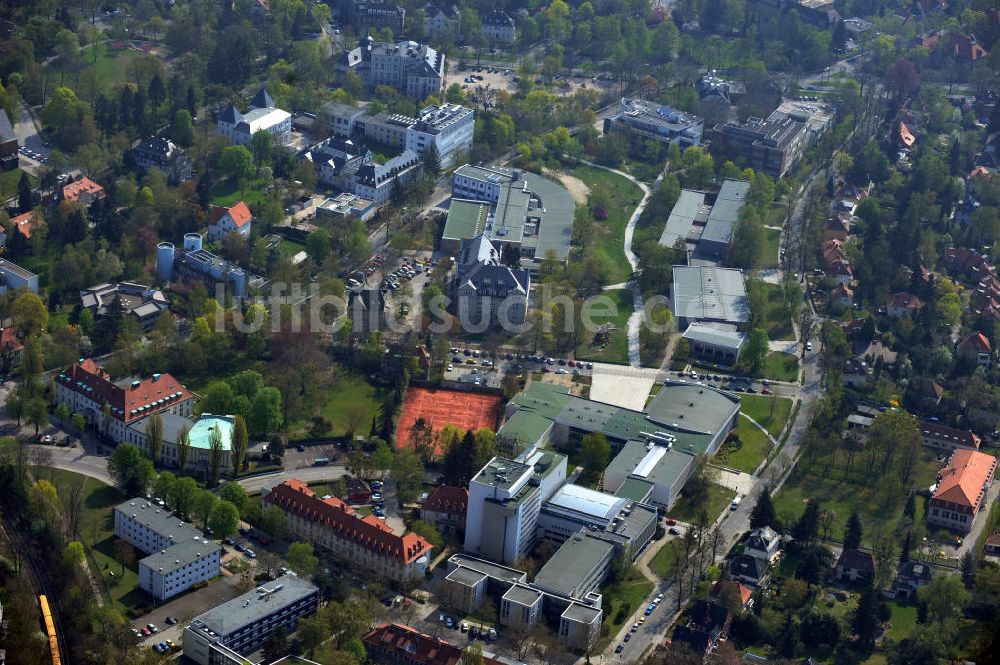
[
  {"x": 773, "y": 146},
  {"x": 179, "y": 556},
  {"x": 719, "y": 343},
  {"x": 650, "y": 120},
  {"x": 722, "y": 220},
  {"x": 8, "y": 144},
  {"x": 347, "y": 205},
  {"x": 521, "y": 606},
  {"x": 709, "y": 294},
  {"x": 343, "y": 118},
  {"x": 199, "y": 439},
  {"x": 448, "y": 127},
  {"x": 664, "y": 468},
  {"x": 242, "y": 624},
  {"x": 527, "y": 211},
  {"x": 687, "y": 219},
  {"x": 580, "y": 626},
  {"x": 574, "y": 507},
  {"x": 142, "y": 302},
  {"x": 578, "y": 567},
  {"x": 13, "y": 278}
]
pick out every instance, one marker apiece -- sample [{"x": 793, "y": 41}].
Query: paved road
[{"x": 76, "y": 459}]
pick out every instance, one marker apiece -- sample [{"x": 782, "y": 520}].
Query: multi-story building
[
  {"x": 709, "y": 295},
  {"x": 191, "y": 262},
  {"x": 343, "y": 118},
  {"x": 505, "y": 500},
  {"x": 26, "y": 223},
  {"x": 396, "y": 644},
  {"x": 648, "y": 120},
  {"x": 416, "y": 70},
  {"x": 445, "y": 508},
  {"x": 334, "y": 157},
  {"x": 962, "y": 490},
  {"x": 374, "y": 14},
  {"x": 347, "y": 205},
  {"x": 498, "y": 27},
  {"x": 223, "y": 220},
  {"x": 376, "y": 182},
  {"x": 141, "y": 302},
  {"x": 87, "y": 389},
  {"x": 942, "y": 437},
  {"x": 179, "y": 556},
  {"x": 199, "y": 433},
  {"x": 228, "y": 633},
  {"x": 8, "y": 144},
  {"x": 12, "y": 351},
  {"x": 443, "y": 20},
  {"x": 486, "y": 291},
  {"x": 449, "y": 128},
  {"x": 524, "y": 211},
  {"x": 13, "y": 278},
  {"x": 262, "y": 116},
  {"x": 772, "y": 146},
  {"x": 332, "y": 525},
  {"x": 83, "y": 191},
  {"x": 161, "y": 154}
]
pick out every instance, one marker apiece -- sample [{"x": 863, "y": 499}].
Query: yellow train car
[{"x": 50, "y": 629}]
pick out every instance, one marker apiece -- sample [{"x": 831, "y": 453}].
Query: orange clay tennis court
[{"x": 441, "y": 407}]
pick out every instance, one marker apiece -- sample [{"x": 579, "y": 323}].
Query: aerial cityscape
[{"x": 412, "y": 332}]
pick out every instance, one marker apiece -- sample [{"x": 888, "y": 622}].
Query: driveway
[{"x": 187, "y": 607}]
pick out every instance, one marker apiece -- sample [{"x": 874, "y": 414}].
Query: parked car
[
  {"x": 152, "y": 628},
  {"x": 618, "y": 649},
  {"x": 171, "y": 621},
  {"x": 250, "y": 554}
]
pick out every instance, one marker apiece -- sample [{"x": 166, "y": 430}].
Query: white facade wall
[
  {"x": 162, "y": 585},
  {"x": 93, "y": 411}
]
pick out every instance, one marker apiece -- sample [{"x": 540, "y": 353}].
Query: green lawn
[
  {"x": 624, "y": 600},
  {"x": 719, "y": 499},
  {"x": 779, "y": 366},
  {"x": 664, "y": 562},
  {"x": 904, "y": 620},
  {"x": 111, "y": 66},
  {"x": 620, "y": 197},
  {"x": 878, "y": 500},
  {"x": 9, "y": 180},
  {"x": 617, "y": 348},
  {"x": 776, "y": 320},
  {"x": 773, "y": 237},
  {"x": 754, "y": 447},
  {"x": 352, "y": 394},
  {"x": 227, "y": 192},
  {"x": 759, "y": 407},
  {"x": 290, "y": 248},
  {"x": 98, "y": 534}
]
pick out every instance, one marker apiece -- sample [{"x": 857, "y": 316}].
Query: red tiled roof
[
  {"x": 447, "y": 499},
  {"x": 858, "y": 560},
  {"x": 136, "y": 400},
  {"x": 9, "y": 340},
  {"x": 294, "y": 496},
  {"x": 72, "y": 191},
  {"x": 853, "y": 327},
  {"x": 401, "y": 642},
  {"x": 966, "y": 47},
  {"x": 906, "y": 136},
  {"x": 994, "y": 539},
  {"x": 963, "y": 479},
  {"x": 27, "y": 222},
  {"x": 840, "y": 268},
  {"x": 238, "y": 211},
  {"x": 975, "y": 342},
  {"x": 843, "y": 291},
  {"x": 904, "y": 300},
  {"x": 952, "y": 434}
]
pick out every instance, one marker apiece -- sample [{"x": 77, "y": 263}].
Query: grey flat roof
[
  {"x": 502, "y": 473},
  {"x": 180, "y": 554},
  {"x": 690, "y": 208},
  {"x": 716, "y": 335},
  {"x": 658, "y": 465},
  {"x": 8, "y": 266},
  {"x": 189, "y": 544},
  {"x": 493, "y": 570},
  {"x": 710, "y": 293},
  {"x": 726, "y": 211},
  {"x": 693, "y": 407},
  {"x": 556, "y": 230},
  {"x": 467, "y": 576},
  {"x": 581, "y": 613},
  {"x": 635, "y": 489},
  {"x": 575, "y": 560},
  {"x": 523, "y": 595},
  {"x": 232, "y": 615},
  {"x": 638, "y": 519}
]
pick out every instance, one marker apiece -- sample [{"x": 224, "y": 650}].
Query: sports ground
[{"x": 441, "y": 407}]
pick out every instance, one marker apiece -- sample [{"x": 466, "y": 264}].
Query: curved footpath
[{"x": 638, "y": 310}]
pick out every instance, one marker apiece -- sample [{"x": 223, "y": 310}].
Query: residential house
[
  {"x": 975, "y": 348},
  {"x": 498, "y": 27},
  {"x": 763, "y": 543},
  {"x": 368, "y": 309},
  {"x": 224, "y": 220},
  {"x": 11, "y": 349},
  {"x": 396, "y": 644},
  {"x": 416, "y": 70},
  {"x": 841, "y": 272},
  {"x": 842, "y": 295},
  {"x": 839, "y": 226},
  {"x": 910, "y": 576},
  {"x": 833, "y": 250},
  {"x": 263, "y": 115},
  {"x": 373, "y": 15},
  {"x": 8, "y": 144},
  {"x": 902, "y": 304},
  {"x": 259, "y": 10},
  {"x": 723, "y": 590},
  {"x": 336, "y": 158},
  {"x": 376, "y": 182},
  {"x": 443, "y": 20},
  {"x": 905, "y": 136},
  {"x": 926, "y": 392},
  {"x": 332, "y": 526},
  {"x": 966, "y": 48},
  {"x": 26, "y": 223},
  {"x": 962, "y": 490},
  {"x": 855, "y": 566},
  {"x": 992, "y": 545},
  {"x": 749, "y": 570},
  {"x": 856, "y": 373},
  {"x": 84, "y": 191},
  {"x": 446, "y": 508},
  {"x": 943, "y": 437},
  {"x": 708, "y": 624},
  {"x": 161, "y": 154}
]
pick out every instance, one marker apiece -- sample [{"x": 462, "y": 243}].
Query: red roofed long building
[
  {"x": 396, "y": 644},
  {"x": 942, "y": 437},
  {"x": 333, "y": 525},
  {"x": 86, "y": 387},
  {"x": 962, "y": 490}
]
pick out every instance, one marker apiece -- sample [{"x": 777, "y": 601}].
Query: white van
[{"x": 736, "y": 503}]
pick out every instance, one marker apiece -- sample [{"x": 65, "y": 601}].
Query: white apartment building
[
  {"x": 506, "y": 498},
  {"x": 262, "y": 116},
  {"x": 416, "y": 70},
  {"x": 86, "y": 388},
  {"x": 376, "y": 182},
  {"x": 179, "y": 555},
  {"x": 450, "y": 128}
]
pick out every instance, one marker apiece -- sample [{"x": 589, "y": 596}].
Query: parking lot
[
  {"x": 487, "y": 78},
  {"x": 470, "y": 364}
]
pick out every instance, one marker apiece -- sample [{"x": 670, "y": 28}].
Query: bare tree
[
  {"x": 40, "y": 458},
  {"x": 72, "y": 500},
  {"x": 826, "y": 520}
]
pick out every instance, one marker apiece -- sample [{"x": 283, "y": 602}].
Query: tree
[
  {"x": 234, "y": 493},
  {"x": 789, "y": 643},
  {"x": 864, "y": 620},
  {"x": 945, "y": 596},
  {"x": 29, "y": 314},
  {"x": 318, "y": 245},
  {"x": 902, "y": 77},
  {"x": 215, "y": 453},
  {"x": 163, "y": 486},
  {"x": 300, "y": 558},
  {"x": 184, "y": 492},
  {"x": 763, "y": 513},
  {"x": 275, "y": 646},
  {"x": 265, "y": 411},
  {"x": 595, "y": 452},
  {"x": 36, "y": 411},
  {"x": 819, "y": 630},
  {"x": 217, "y": 399},
  {"x": 25, "y": 197},
  {"x": 756, "y": 352},
  {"x": 224, "y": 520},
  {"x": 240, "y": 443},
  {"x": 154, "y": 437},
  {"x": 131, "y": 469},
  {"x": 74, "y": 553},
  {"x": 805, "y": 530},
  {"x": 431, "y": 160},
  {"x": 236, "y": 162},
  {"x": 261, "y": 146},
  {"x": 183, "y": 449},
  {"x": 272, "y": 520},
  {"x": 409, "y": 475},
  {"x": 429, "y": 532},
  {"x": 853, "y": 532},
  {"x": 124, "y": 553},
  {"x": 202, "y": 505},
  {"x": 182, "y": 128}
]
